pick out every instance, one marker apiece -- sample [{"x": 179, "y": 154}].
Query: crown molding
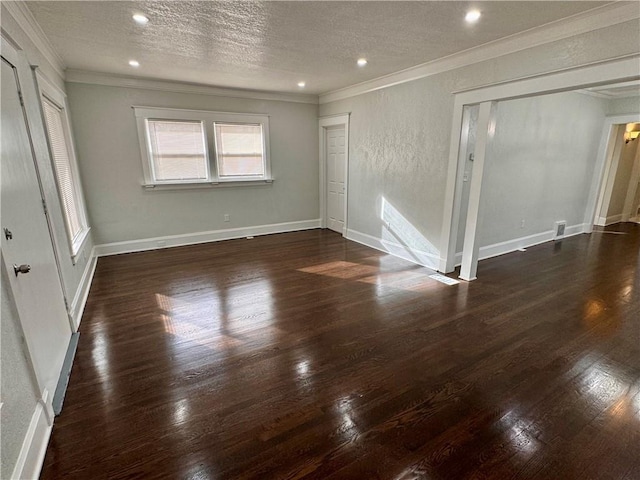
[
  {"x": 25, "y": 20},
  {"x": 111, "y": 80},
  {"x": 597, "y": 18}
]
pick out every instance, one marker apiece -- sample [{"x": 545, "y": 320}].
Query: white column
[{"x": 485, "y": 132}]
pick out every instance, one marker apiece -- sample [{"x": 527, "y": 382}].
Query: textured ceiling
[{"x": 274, "y": 45}]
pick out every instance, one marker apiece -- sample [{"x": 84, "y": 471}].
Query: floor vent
[
  {"x": 559, "y": 230},
  {"x": 444, "y": 279}
]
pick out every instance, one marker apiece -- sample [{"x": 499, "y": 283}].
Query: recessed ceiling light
[
  {"x": 301, "y": 84},
  {"x": 362, "y": 62},
  {"x": 134, "y": 63},
  {"x": 472, "y": 16},
  {"x": 140, "y": 19}
]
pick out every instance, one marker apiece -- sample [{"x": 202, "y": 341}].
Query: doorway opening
[{"x": 619, "y": 198}]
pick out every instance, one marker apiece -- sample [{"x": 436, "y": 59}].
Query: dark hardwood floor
[{"x": 304, "y": 355}]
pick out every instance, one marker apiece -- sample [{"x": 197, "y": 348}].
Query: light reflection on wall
[{"x": 397, "y": 230}]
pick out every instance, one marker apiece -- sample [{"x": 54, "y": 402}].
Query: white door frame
[
  {"x": 323, "y": 124},
  {"x": 609, "y": 157},
  {"x": 618, "y": 70},
  {"x": 18, "y": 60},
  {"x": 629, "y": 209}
]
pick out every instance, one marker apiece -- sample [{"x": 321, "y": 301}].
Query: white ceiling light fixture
[
  {"x": 134, "y": 63},
  {"x": 140, "y": 19},
  {"x": 472, "y": 16},
  {"x": 301, "y": 84},
  {"x": 362, "y": 62}
]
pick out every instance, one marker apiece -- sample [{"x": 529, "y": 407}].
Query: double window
[
  {"x": 182, "y": 148},
  {"x": 64, "y": 165}
]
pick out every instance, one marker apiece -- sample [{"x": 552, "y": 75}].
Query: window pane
[
  {"x": 62, "y": 166},
  {"x": 177, "y": 150},
  {"x": 239, "y": 150}
]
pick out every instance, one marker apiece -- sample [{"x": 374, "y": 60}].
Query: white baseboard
[
  {"x": 202, "y": 237},
  {"x": 419, "y": 257},
  {"x": 509, "y": 246},
  {"x": 613, "y": 219},
  {"x": 34, "y": 445},
  {"x": 82, "y": 292}
]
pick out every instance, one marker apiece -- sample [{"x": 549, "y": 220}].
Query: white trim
[
  {"x": 323, "y": 124},
  {"x": 412, "y": 255},
  {"x": 25, "y": 20},
  {"x": 634, "y": 180},
  {"x": 76, "y": 308},
  {"x": 48, "y": 92},
  {"x": 584, "y": 22},
  {"x": 34, "y": 446},
  {"x": 220, "y": 184},
  {"x": 612, "y": 219},
  {"x": 484, "y": 139},
  {"x": 595, "y": 74},
  {"x": 606, "y": 167},
  {"x": 202, "y": 237},
  {"x": 510, "y": 246},
  {"x": 112, "y": 80},
  {"x": 207, "y": 120}
]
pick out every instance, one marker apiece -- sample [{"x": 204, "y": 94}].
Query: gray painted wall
[
  {"x": 540, "y": 165},
  {"x": 17, "y": 384},
  {"x": 111, "y": 169},
  {"x": 623, "y": 175},
  {"x": 399, "y": 136}
]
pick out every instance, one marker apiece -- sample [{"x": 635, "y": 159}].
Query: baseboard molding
[
  {"x": 65, "y": 373},
  {"x": 613, "y": 219},
  {"x": 419, "y": 257},
  {"x": 35, "y": 443},
  {"x": 509, "y": 246},
  {"x": 201, "y": 237},
  {"x": 82, "y": 292}
]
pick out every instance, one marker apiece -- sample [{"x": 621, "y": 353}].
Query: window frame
[
  {"x": 208, "y": 119},
  {"x": 58, "y": 98}
]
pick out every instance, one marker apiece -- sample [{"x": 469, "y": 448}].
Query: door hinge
[
  {"x": 44, "y": 207},
  {"x": 21, "y": 98}
]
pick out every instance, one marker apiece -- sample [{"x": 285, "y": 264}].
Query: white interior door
[
  {"x": 336, "y": 182},
  {"x": 38, "y": 293}
]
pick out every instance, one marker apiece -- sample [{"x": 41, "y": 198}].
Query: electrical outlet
[{"x": 227, "y": 217}]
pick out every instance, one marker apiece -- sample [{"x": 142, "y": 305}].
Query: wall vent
[{"x": 558, "y": 232}]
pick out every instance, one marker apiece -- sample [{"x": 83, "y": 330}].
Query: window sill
[
  {"x": 78, "y": 244},
  {"x": 192, "y": 185}
]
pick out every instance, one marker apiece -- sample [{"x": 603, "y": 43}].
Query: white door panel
[
  {"x": 38, "y": 293},
  {"x": 336, "y": 185}
]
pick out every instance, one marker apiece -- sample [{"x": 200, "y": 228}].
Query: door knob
[{"x": 21, "y": 269}]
